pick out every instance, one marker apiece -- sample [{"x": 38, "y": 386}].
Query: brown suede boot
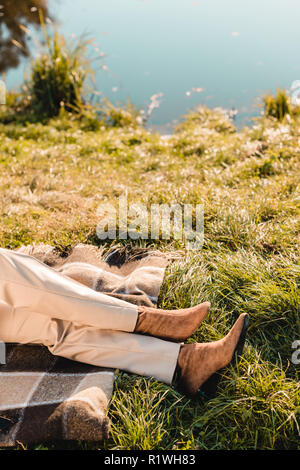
[
  {"x": 174, "y": 325},
  {"x": 198, "y": 363}
]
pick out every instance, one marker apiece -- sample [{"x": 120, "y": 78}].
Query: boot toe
[{"x": 208, "y": 389}]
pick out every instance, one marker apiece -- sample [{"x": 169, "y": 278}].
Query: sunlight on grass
[{"x": 53, "y": 176}]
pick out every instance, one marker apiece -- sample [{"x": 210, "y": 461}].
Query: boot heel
[
  {"x": 241, "y": 342},
  {"x": 208, "y": 389}
]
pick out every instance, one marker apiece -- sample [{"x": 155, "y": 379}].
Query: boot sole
[{"x": 208, "y": 389}]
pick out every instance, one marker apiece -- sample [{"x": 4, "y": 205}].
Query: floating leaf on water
[
  {"x": 24, "y": 28},
  {"x": 17, "y": 44},
  {"x": 197, "y": 90}
]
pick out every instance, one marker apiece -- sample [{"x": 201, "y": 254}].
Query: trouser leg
[
  {"x": 28, "y": 285},
  {"x": 138, "y": 354}
]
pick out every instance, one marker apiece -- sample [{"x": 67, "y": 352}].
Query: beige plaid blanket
[{"x": 45, "y": 397}]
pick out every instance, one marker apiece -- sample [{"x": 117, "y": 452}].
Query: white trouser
[{"x": 41, "y": 306}]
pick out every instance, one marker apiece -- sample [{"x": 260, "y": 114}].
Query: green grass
[{"x": 54, "y": 176}]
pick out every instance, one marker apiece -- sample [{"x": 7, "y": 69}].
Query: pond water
[{"x": 216, "y": 52}]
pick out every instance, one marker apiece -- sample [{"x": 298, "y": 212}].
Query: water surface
[{"x": 233, "y": 50}]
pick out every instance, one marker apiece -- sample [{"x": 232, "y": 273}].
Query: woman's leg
[
  {"x": 194, "y": 363},
  {"x": 38, "y": 305},
  {"x": 144, "y": 355}
]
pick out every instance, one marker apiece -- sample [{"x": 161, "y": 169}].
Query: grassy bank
[{"x": 53, "y": 177}]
